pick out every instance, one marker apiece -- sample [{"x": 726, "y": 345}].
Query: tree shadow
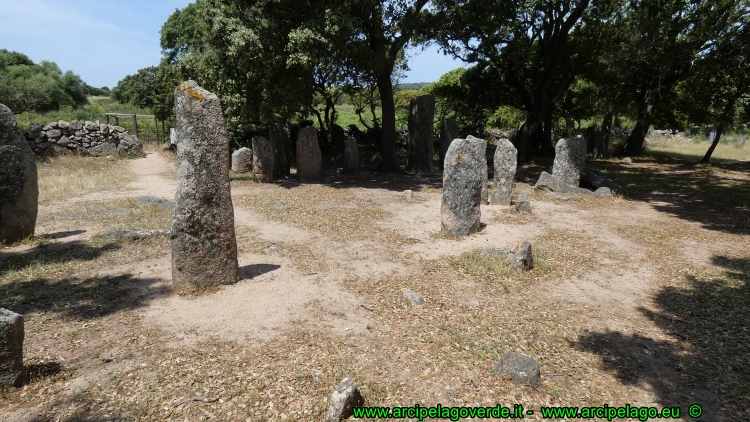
[
  {"x": 374, "y": 180},
  {"x": 706, "y": 362},
  {"x": 693, "y": 193},
  {"x": 52, "y": 253},
  {"x": 60, "y": 235}
]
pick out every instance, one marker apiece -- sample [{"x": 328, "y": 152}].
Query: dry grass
[
  {"x": 115, "y": 214},
  {"x": 684, "y": 148},
  {"x": 336, "y": 213},
  {"x": 70, "y": 176}
]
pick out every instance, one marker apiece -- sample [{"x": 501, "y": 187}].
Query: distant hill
[{"x": 415, "y": 85}]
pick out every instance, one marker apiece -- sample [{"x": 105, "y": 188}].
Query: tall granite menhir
[
  {"x": 309, "y": 158},
  {"x": 204, "y": 247},
  {"x": 465, "y": 168},
  {"x": 505, "y": 159},
  {"x": 570, "y": 160},
  {"x": 11, "y": 349},
  {"x": 19, "y": 190},
  {"x": 420, "y": 149}
]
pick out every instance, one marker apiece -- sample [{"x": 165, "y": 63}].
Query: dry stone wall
[{"x": 93, "y": 138}]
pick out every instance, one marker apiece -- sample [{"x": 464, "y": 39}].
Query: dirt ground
[{"x": 641, "y": 300}]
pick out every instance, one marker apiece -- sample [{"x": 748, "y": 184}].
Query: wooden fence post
[{"x": 135, "y": 126}]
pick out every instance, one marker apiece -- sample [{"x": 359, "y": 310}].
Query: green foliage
[
  {"x": 26, "y": 86},
  {"x": 150, "y": 88}
]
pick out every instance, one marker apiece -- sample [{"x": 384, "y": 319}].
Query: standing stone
[
  {"x": 280, "y": 136},
  {"x": 19, "y": 190},
  {"x": 309, "y": 159},
  {"x": 521, "y": 258},
  {"x": 204, "y": 247},
  {"x": 262, "y": 159},
  {"x": 448, "y": 132},
  {"x": 462, "y": 186},
  {"x": 522, "y": 203},
  {"x": 570, "y": 160},
  {"x": 505, "y": 161},
  {"x": 11, "y": 349},
  {"x": 242, "y": 160},
  {"x": 346, "y": 397},
  {"x": 351, "y": 155},
  {"x": 421, "y": 134},
  {"x": 485, "y": 178}
]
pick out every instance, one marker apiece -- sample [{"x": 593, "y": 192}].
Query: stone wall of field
[{"x": 83, "y": 138}]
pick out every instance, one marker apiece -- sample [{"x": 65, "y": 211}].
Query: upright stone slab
[
  {"x": 19, "y": 190},
  {"x": 485, "y": 178},
  {"x": 462, "y": 186},
  {"x": 309, "y": 159},
  {"x": 242, "y": 160},
  {"x": 570, "y": 160},
  {"x": 204, "y": 247},
  {"x": 11, "y": 349},
  {"x": 448, "y": 132},
  {"x": 351, "y": 155},
  {"x": 505, "y": 161},
  {"x": 263, "y": 162},
  {"x": 280, "y": 136},
  {"x": 420, "y": 146}
]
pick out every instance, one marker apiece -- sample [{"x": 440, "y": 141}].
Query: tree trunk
[
  {"x": 706, "y": 158},
  {"x": 546, "y": 149},
  {"x": 607, "y": 130},
  {"x": 528, "y": 135},
  {"x": 634, "y": 145},
  {"x": 389, "y": 162}
]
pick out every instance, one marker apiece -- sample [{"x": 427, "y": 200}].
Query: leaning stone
[
  {"x": 505, "y": 162},
  {"x": 204, "y": 246},
  {"x": 413, "y": 297},
  {"x": 12, "y": 373},
  {"x": 521, "y": 258},
  {"x": 351, "y": 156},
  {"x": 346, "y": 397},
  {"x": 521, "y": 369},
  {"x": 570, "y": 159},
  {"x": 309, "y": 158},
  {"x": 242, "y": 160},
  {"x": 19, "y": 189},
  {"x": 262, "y": 159},
  {"x": 462, "y": 186},
  {"x": 522, "y": 203},
  {"x": 280, "y": 136},
  {"x": 597, "y": 179},
  {"x": 421, "y": 133},
  {"x": 130, "y": 145},
  {"x": 448, "y": 132},
  {"x": 548, "y": 182},
  {"x": 133, "y": 234}
]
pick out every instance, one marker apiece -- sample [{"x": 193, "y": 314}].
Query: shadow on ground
[
  {"x": 717, "y": 200},
  {"x": 50, "y": 254},
  {"x": 707, "y": 363},
  {"x": 255, "y": 270}
]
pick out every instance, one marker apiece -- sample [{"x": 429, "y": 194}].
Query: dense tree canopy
[{"x": 26, "y": 86}]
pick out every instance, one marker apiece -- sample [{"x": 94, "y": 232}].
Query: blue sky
[{"x": 103, "y": 40}]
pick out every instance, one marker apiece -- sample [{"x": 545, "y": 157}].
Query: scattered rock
[
  {"x": 521, "y": 369},
  {"x": 570, "y": 159},
  {"x": 521, "y": 258},
  {"x": 413, "y": 297},
  {"x": 421, "y": 134},
  {"x": 627, "y": 160},
  {"x": 462, "y": 186},
  {"x": 522, "y": 203},
  {"x": 408, "y": 195},
  {"x": 273, "y": 250},
  {"x": 242, "y": 160},
  {"x": 262, "y": 159},
  {"x": 505, "y": 160},
  {"x": 130, "y": 145},
  {"x": 19, "y": 189},
  {"x": 346, "y": 397},
  {"x": 603, "y": 192},
  {"x": 156, "y": 202},
  {"x": 133, "y": 234},
  {"x": 448, "y": 132},
  {"x": 204, "y": 246},
  {"x": 277, "y": 205},
  {"x": 12, "y": 373},
  {"x": 309, "y": 158}
]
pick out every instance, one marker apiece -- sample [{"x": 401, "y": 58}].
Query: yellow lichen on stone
[
  {"x": 192, "y": 91},
  {"x": 459, "y": 159}
]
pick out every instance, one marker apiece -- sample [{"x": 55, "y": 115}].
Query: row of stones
[{"x": 80, "y": 136}]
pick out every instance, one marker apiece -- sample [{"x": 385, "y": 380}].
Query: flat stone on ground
[{"x": 521, "y": 369}]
